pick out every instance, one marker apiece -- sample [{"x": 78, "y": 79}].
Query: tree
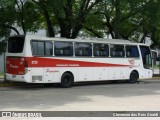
[
  {"x": 151, "y": 22},
  {"x": 121, "y": 17},
  {"x": 18, "y": 13},
  {"x": 6, "y": 21},
  {"x": 45, "y": 7},
  {"x": 27, "y": 16},
  {"x": 71, "y": 15}
]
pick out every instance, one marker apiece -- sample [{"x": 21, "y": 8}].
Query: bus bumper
[{"x": 16, "y": 78}]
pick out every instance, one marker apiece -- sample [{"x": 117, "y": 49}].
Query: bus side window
[
  {"x": 128, "y": 54},
  {"x": 113, "y": 53},
  {"x": 38, "y": 47},
  {"x": 117, "y": 50},
  {"x": 83, "y": 49},
  {"x": 96, "y": 53},
  {"x": 63, "y": 48},
  {"x": 48, "y": 48},
  {"x": 41, "y": 48},
  {"x": 79, "y": 53},
  {"x": 132, "y": 51},
  {"x": 100, "y": 50}
]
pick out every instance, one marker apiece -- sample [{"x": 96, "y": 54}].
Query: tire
[
  {"x": 133, "y": 77},
  {"x": 66, "y": 80},
  {"x": 114, "y": 81},
  {"x": 52, "y": 85}
]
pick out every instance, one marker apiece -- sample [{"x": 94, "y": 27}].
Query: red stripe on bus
[
  {"x": 48, "y": 62},
  {"x": 17, "y": 65}
]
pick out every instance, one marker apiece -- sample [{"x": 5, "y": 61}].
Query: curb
[
  {"x": 157, "y": 78},
  {"x": 11, "y": 84},
  {"x": 6, "y": 84}
]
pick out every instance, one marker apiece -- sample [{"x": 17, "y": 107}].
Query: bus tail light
[{"x": 25, "y": 65}]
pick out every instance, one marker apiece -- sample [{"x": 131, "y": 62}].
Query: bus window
[
  {"x": 42, "y": 48},
  {"x": 101, "y": 50},
  {"x": 146, "y": 57},
  {"x": 117, "y": 50},
  {"x": 48, "y": 48},
  {"x": 15, "y": 44},
  {"x": 83, "y": 49},
  {"x": 38, "y": 47},
  {"x": 132, "y": 51},
  {"x": 63, "y": 48}
]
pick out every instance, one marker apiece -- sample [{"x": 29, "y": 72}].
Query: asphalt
[{"x": 7, "y": 84}]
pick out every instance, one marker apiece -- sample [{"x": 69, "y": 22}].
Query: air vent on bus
[{"x": 36, "y": 78}]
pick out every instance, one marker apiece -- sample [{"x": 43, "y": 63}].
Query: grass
[
  {"x": 1, "y": 74},
  {"x": 156, "y": 66}
]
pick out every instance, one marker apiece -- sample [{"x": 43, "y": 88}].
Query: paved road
[{"x": 143, "y": 96}]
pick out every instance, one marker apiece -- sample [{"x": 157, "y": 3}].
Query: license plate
[{"x": 13, "y": 76}]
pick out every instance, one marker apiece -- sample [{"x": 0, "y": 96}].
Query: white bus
[{"x": 35, "y": 59}]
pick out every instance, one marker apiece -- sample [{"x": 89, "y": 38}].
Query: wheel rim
[
  {"x": 67, "y": 80},
  {"x": 133, "y": 77}
]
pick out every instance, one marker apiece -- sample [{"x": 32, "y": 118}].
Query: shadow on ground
[{"x": 44, "y": 97}]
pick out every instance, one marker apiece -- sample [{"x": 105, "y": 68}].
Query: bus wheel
[
  {"x": 133, "y": 77},
  {"x": 66, "y": 80}
]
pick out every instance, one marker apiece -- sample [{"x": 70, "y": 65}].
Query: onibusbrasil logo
[{"x": 9, "y": 114}]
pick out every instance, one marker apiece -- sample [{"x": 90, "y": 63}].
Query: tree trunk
[
  {"x": 76, "y": 30},
  {"x": 117, "y": 20},
  {"x": 153, "y": 38},
  {"x": 62, "y": 29},
  {"x": 49, "y": 24},
  {"x": 42, "y": 5}
]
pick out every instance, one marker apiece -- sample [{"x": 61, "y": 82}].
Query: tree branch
[
  {"x": 10, "y": 27},
  {"x": 92, "y": 31},
  {"x": 21, "y": 9}
]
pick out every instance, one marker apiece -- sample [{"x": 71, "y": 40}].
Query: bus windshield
[
  {"x": 146, "y": 57},
  {"x": 16, "y": 44}
]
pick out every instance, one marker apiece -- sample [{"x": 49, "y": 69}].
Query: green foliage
[
  {"x": 6, "y": 16},
  {"x": 122, "y": 19},
  {"x": 27, "y": 16}
]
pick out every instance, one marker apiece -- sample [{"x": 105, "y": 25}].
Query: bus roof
[{"x": 93, "y": 40}]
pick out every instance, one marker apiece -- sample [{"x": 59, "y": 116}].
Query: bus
[{"x": 35, "y": 59}]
